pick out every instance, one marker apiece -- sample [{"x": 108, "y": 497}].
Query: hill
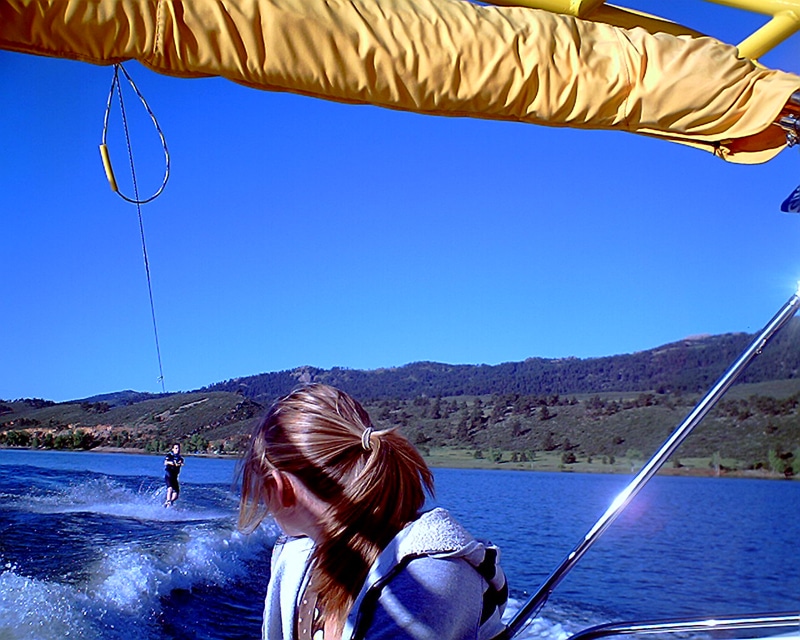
[
  {"x": 688, "y": 366},
  {"x": 152, "y": 423},
  {"x": 590, "y": 411}
]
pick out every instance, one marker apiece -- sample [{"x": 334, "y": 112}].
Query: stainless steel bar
[
  {"x": 537, "y": 600},
  {"x": 778, "y": 622}
]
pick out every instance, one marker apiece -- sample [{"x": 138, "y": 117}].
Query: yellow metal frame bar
[
  {"x": 785, "y": 19},
  {"x": 785, "y": 22}
]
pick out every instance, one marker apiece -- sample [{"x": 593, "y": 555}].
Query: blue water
[{"x": 87, "y": 550}]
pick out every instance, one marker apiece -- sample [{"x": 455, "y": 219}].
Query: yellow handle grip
[{"x": 109, "y": 169}]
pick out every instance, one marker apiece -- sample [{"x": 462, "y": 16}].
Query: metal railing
[
  {"x": 651, "y": 467},
  {"x": 777, "y": 623},
  {"x": 784, "y": 18}
]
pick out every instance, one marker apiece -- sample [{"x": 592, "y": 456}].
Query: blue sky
[{"x": 296, "y": 231}]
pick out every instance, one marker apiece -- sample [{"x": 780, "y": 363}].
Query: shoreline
[{"x": 449, "y": 459}]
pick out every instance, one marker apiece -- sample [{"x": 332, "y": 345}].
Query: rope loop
[{"x": 116, "y": 85}]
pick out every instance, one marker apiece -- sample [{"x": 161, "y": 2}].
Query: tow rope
[{"x": 116, "y": 85}]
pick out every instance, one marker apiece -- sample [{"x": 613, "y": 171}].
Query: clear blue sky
[{"x": 298, "y": 232}]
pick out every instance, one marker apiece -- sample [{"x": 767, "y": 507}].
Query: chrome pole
[
  {"x": 773, "y": 622},
  {"x": 536, "y": 602}
]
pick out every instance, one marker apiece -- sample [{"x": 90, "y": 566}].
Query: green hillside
[
  {"x": 602, "y": 414},
  {"x": 756, "y": 428},
  {"x": 688, "y": 366},
  {"x": 202, "y": 422}
]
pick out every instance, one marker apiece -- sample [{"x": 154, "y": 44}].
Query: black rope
[{"x": 116, "y": 84}]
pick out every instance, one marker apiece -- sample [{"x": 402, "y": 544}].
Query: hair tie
[{"x": 365, "y": 436}]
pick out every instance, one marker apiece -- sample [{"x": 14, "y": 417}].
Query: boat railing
[
  {"x": 778, "y": 625},
  {"x": 532, "y": 606}
]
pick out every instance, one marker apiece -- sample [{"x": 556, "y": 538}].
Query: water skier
[
  {"x": 360, "y": 559},
  {"x": 173, "y": 462}
]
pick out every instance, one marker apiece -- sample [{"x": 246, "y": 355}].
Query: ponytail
[{"x": 373, "y": 481}]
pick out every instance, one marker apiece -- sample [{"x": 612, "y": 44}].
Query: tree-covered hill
[
  {"x": 215, "y": 421},
  {"x": 600, "y": 409},
  {"x": 757, "y": 427},
  {"x": 691, "y": 365}
]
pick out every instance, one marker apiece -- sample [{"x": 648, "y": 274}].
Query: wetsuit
[{"x": 172, "y": 467}]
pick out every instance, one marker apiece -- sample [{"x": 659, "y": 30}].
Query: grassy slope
[{"x": 627, "y": 435}]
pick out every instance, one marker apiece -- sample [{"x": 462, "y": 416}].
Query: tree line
[{"x": 687, "y": 366}]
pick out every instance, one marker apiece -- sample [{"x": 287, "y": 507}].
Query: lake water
[{"x": 87, "y": 550}]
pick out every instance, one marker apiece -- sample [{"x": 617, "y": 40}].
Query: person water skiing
[{"x": 173, "y": 462}]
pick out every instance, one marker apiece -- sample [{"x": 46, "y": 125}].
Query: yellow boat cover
[{"x": 439, "y": 57}]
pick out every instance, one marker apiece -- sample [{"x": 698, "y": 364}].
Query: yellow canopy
[{"x": 442, "y": 57}]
